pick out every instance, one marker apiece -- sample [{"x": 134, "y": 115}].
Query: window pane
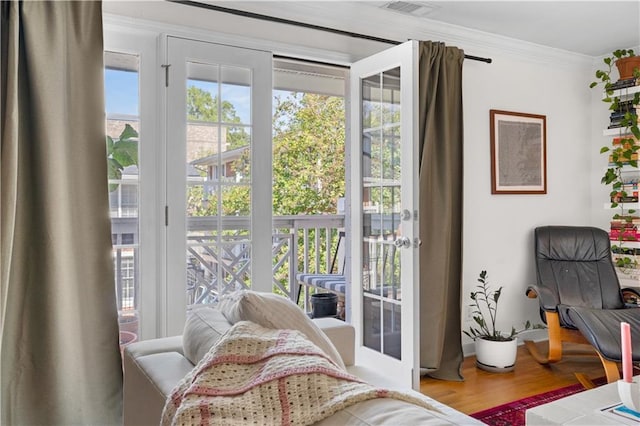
[
  {"x": 123, "y": 129},
  {"x": 381, "y": 198},
  {"x": 218, "y": 180}
]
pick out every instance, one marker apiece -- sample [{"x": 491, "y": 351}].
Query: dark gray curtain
[
  {"x": 441, "y": 133},
  {"x": 59, "y": 354}
]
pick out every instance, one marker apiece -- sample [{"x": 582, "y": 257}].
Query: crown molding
[
  {"x": 209, "y": 25},
  {"x": 474, "y": 42}
]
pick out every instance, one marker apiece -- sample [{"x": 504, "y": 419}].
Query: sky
[
  {"x": 121, "y": 92},
  {"x": 122, "y": 97}
]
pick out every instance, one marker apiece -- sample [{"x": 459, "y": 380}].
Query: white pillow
[
  {"x": 204, "y": 327},
  {"x": 274, "y": 311}
]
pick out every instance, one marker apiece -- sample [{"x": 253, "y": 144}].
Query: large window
[{"x": 308, "y": 180}]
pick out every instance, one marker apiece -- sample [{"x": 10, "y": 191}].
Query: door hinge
[
  {"x": 166, "y": 215},
  {"x": 166, "y": 74}
]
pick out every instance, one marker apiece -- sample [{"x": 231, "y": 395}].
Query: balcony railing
[{"x": 301, "y": 243}]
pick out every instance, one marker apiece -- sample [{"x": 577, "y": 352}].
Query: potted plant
[
  {"x": 495, "y": 350},
  {"x": 627, "y": 63},
  {"x": 623, "y": 150}
]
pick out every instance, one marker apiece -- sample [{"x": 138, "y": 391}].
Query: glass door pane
[
  {"x": 381, "y": 200},
  {"x": 218, "y": 183}
]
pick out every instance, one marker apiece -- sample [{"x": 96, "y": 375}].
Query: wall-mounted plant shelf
[
  {"x": 620, "y": 131},
  {"x": 622, "y": 93}
]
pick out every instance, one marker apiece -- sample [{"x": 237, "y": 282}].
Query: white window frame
[{"x": 144, "y": 44}]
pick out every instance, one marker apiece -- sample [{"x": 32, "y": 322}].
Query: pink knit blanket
[{"x": 256, "y": 375}]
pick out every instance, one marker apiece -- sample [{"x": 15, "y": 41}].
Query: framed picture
[{"x": 518, "y": 153}]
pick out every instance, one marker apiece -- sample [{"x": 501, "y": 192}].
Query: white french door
[
  {"x": 384, "y": 179},
  {"x": 218, "y": 174}
]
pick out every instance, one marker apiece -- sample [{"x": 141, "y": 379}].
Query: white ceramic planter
[{"x": 497, "y": 357}]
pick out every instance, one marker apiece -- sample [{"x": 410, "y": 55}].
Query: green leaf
[
  {"x": 126, "y": 152},
  {"x": 128, "y": 133},
  {"x": 114, "y": 172},
  {"x": 604, "y": 149}
]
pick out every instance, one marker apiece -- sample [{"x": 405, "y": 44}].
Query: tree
[
  {"x": 308, "y": 159},
  {"x": 308, "y": 154},
  {"x": 202, "y": 106}
]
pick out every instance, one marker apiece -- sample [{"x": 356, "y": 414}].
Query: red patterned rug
[{"x": 512, "y": 413}]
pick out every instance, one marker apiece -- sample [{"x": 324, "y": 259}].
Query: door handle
[{"x": 402, "y": 242}]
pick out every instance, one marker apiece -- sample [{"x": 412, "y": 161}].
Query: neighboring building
[{"x": 222, "y": 166}]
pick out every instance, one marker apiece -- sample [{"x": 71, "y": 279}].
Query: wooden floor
[{"x": 482, "y": 390}]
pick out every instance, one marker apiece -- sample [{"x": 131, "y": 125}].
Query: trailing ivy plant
[
  {"x": 485, "y": 311},
  {"x": 623, "y": 153}
]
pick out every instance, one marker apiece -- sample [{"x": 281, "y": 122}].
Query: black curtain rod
[{"x": 302, "y": 24}]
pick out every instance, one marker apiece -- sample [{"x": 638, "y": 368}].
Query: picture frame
[{"x": 518, "y": 152}]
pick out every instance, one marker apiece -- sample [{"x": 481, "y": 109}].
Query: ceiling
[{"x": 592, "y": 28}]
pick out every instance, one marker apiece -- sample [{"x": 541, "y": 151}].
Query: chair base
[
  {"x": 558, "y": 335},
  {"x": 550, "y": 359},
  {"x": 611, "y": 370}
]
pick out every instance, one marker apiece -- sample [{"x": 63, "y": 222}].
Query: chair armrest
[
  {"x": 342, "y": 335},
  {"x": 547, "y": 299}
]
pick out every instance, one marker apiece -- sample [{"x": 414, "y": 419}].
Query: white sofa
[{"x": 153, "y": 368}]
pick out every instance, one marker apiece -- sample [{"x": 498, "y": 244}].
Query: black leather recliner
[{"x": 579, "y": 294}]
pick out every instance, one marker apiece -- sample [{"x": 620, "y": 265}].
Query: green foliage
[
  {"x": 624, "y": 257},
  {"x": 202, "y": 106},
  {"x": 625, "y": 262},
  {"x": 308, "y": 154},
  {"x": 485, "y": 312},
  {"x": 121, "y": 152},
  {"x": 621, "y": 154},
  {"x": 604, "y": 76}
]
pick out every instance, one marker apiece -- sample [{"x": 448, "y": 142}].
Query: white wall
[
  {"x": 498, "y": 229},
  {"x": 600, "y": 121}
]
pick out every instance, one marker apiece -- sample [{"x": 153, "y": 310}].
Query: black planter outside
[{"x": 324, "y": 305}]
